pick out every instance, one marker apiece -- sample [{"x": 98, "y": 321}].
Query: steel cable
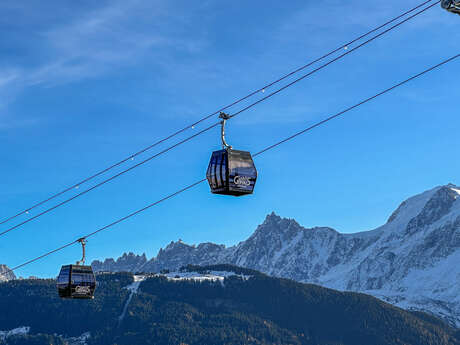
[
  {"x": 76, "y": 185},
  {"x": 257, "y": 154},
  {"x": 215, "y": 124}
]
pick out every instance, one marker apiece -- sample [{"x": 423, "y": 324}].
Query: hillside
[{"x": 216, "y": 305}]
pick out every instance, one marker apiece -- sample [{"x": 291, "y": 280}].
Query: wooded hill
[{"x": 258, "y": 310}]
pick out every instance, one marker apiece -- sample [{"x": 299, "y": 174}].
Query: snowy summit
[{"x": 411, "y": 261}]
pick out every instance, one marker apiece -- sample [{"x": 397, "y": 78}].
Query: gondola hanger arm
[
  {"x": 83, "y": 242},
  {"x": 224, "y": 118}
]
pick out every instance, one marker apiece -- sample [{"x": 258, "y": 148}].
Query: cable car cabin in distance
[
  {"x": 231, "y": 172},
  {"x": 451, "y": 6},
  {"x": 76, "y": 281}
]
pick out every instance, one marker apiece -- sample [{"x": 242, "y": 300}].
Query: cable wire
[
  {"x": 334, "y": 60},
  {"x": 214, "y": 125},
  {"x": 257, "y": 154},
  {"x": 76, "y": 185},
  {"x": 107, "y": 180}
]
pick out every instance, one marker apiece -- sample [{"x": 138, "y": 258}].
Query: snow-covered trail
[{"x": 134, "y": 287}]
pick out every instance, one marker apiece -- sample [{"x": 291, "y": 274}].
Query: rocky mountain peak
[
  {"x": 127, "y": 262},
  {"x": 271, "y": 219},
  {"x": 131, "y": 255},
  {"x": 411, "y": 207},
  {"x": 435, "y": 208},
  {"x": 7, "y": 276},
  {"x": 455, "y": 189},
  {"x": 428, "y": 206},
  {"x": 411, "y": 261},
  {"x": 209, "y": 246},
  {"x": 276, "y": 224},
  {"x": 178, "y": 246}
]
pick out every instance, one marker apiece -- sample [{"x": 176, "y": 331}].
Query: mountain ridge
[
  {"x": 6, "y": 276},
  {"x": 410, "y": 261}
]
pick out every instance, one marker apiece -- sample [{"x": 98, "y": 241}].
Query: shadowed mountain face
[
  {"x": 218, "y": 305},
  {"x": 412, "y": 261}
]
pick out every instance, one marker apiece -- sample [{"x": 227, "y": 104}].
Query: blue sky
[{"x": 84, "y": 85}]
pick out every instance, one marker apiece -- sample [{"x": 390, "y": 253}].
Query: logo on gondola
[
  {"x": 242, "y": 180},
  {"x": 82, "y": 290}
]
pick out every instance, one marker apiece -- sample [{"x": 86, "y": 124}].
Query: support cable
[
  {"x": 262, "y": 89},
  {"x": 214, "y": 125},
  {"x": 257, "y": 154}
]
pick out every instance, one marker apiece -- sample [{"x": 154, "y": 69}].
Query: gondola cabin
[
  {"x": 76, "y": 281},
  {"x": 451, "y": 6},
  {"x": 231, "y": 172}
]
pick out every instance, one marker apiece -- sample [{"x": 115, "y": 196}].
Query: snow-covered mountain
[
  {"x": 412, "y": 261},
  {"x": 7, "y": 276}
]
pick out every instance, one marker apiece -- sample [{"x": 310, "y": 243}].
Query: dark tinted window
[
  {"x": 241, "y": 164},
  {"x": 224, "y": 169},
  {"x": 211, "y": 171},
  {"x": 76, "y": 278},
  {"x": 218, "y": 173},
  {"x": 63, "y": 277}
]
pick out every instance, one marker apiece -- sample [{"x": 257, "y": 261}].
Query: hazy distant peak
[
  {"x": 178, "y": 245},
  {"x": 277, "y": 223},
  {"x": 272, "y": 218},
  {"x": 130, "y": 255},
  {"x": 210, "y": 246}
]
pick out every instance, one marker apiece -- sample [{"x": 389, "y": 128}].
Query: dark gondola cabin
[
  {"x": 76, "y": 281},
  {"x": 231, "y": 172},
  {"x": 451, "y": 6}
]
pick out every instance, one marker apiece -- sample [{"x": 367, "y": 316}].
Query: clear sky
[{"x": 84, "y": 84}]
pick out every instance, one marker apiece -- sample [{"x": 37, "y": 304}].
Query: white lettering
[
  {"x": 82, "y": 289},
  {"x": 242, "y": 180}
]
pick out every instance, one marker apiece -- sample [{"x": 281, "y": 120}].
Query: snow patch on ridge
[
  {"x": 134, "y": 286},
  {"x": 212, "y": 276},
  {"x": 456, "y": 190},
  {"x": 16, "y": 331},
  {"x": 81, "y": 340}
]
